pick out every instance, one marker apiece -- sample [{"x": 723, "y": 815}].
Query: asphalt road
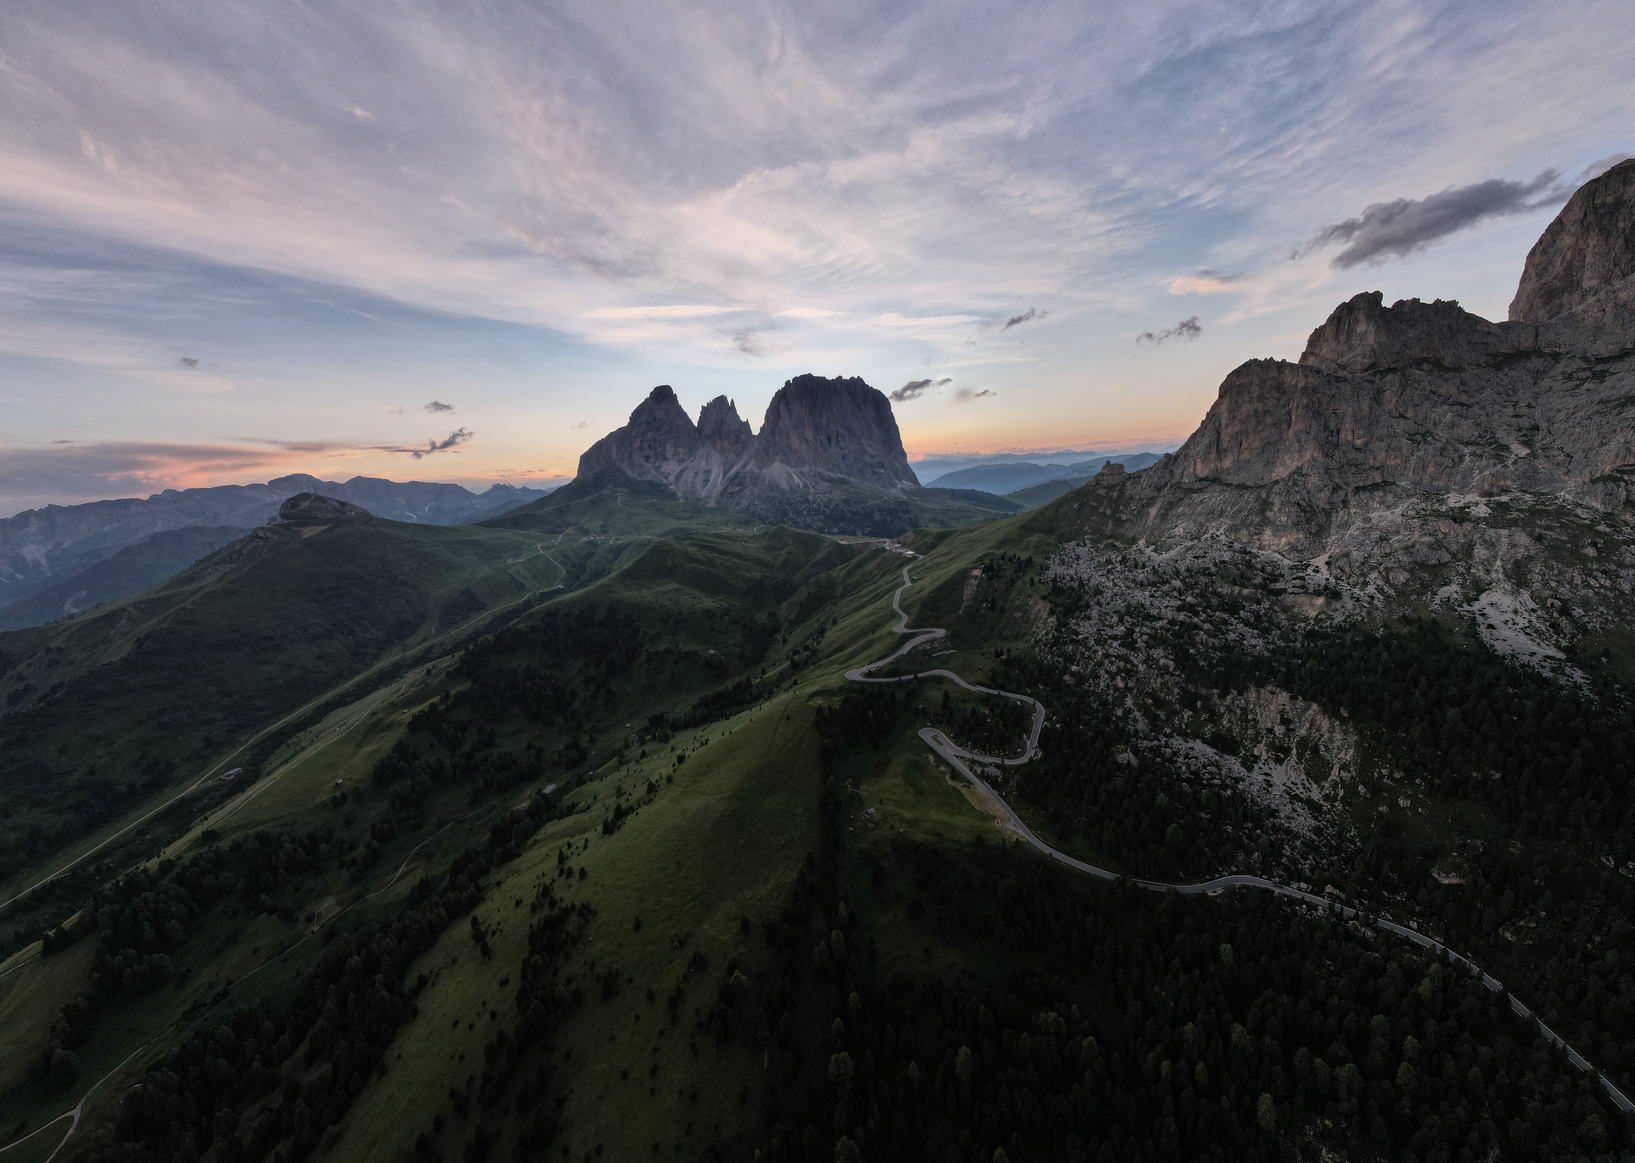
[{"x": 957, "y": 757}]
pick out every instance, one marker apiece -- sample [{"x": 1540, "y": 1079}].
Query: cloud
[
  {"x": 1396, "y": 229},
  {"x": 1026, "y": 316},
  {"x": 1204, "y": 282},
  {"x": 457, "y": 437},
  {"x": 671, "y": 312},
  {"x": 1188, "y": 329},
  {"x": 189, "y": 362},
  {"x": 896, "y": 320},
  {"x": 362, "y": 114},
  {"x": 749, "y": 343},
  {"x": 581, "y": 424},
  {"x": 439, "y": 406},
  {"x": 984, "y": 392},
  {"x": 914, "y": 389},
  {"x": 397, "y": 411},
  {"x": 806, "y": 313}
]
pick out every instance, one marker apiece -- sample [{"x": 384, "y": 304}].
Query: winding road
[{"x": 956, "y": 757}]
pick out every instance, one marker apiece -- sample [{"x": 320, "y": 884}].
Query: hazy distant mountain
[
  {"x": 46, "y": 553},
  {"x": 932, "y": 469},
  {"x": 1009, "y": 477}
]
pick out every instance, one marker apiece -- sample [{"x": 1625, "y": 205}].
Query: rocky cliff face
[
  {"x": 1587, "y": 251},
  {"x": 819, "y": 434},
  {"x": 1418, "y": 451}
]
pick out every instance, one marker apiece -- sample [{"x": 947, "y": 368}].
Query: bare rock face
[
  {"x": 817, "y": 432},
  {"x": 841, "y": 427},
  {"x": 1364, "y": 335},
  {"x": 659, "y": 439},
  {"x": 1400, "y": 421},
  {"x": 1589, "y": 249},
  {"x": 307, "y": 508}
]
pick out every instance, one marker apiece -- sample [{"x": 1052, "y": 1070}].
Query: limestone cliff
[
  {"x": 1418, "y": 450},
  {"x": 818, "y": 434}
]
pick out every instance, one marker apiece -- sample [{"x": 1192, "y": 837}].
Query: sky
[{"x": 461, "y": 240}]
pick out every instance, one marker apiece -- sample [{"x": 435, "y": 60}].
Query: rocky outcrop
[
  {"x": 313, "y": 508},
  {"x": 1395, "y": 407},
  {"x": 1364, "y": 335},
  {"x": 1587, "y": 251},
  {"x": 655, "y": 445},
  {"x": 841, "y": 427},
  {"x": 818, "y": 434}
]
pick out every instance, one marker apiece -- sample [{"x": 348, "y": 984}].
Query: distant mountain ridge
[
  {"x": 1004, "y": 479},
  {"x": 45, "y": 550},
  {"x": 932, "y": 469}
]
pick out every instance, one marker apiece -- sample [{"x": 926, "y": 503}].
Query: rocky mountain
[
  {"x": 1418, "y": 452},
  {"x": 828, "y": 456},
  {"x": 46, "y": 554}
]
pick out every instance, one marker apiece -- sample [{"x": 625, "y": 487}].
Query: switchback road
[{"x": 957, "y": 757}]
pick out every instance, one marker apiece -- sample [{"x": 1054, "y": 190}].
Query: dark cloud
[
  {"x": 439, "y": 406},
  {"x": 749, "y": 343},
  {"x": 189, "y": 362},
  {"x": 581, "y": 424},
  {"x": 458, "y": 436},
  {"x": 1396, "y": 229},
  {"x": 1030, "y": 314},
  {"x": 1188, "y": 329},
  {"x": 914, "y": 389},
  {"x": 984, "y": 392}
]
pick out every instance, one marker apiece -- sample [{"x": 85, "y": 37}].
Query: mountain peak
[
  {"x": 658, "y": 440},
  {"x": 721, "y": 428},
  {"x": 815, "y": 428},
  {"x": 1587, "y": 250},
  {"x": 308, "y": 507},
  {"x": 1363, "y": 334},
  {"x": 840, "y": 425}
]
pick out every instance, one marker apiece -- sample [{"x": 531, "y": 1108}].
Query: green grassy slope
[
  {"x": 754, "y": 913},
  {"x": 1035, "y": 496}
]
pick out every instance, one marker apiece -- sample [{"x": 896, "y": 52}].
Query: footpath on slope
[{"x": 956, "y": 757}]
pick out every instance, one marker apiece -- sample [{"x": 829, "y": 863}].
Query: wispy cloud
[
  {"x": 1025, "y": 317},
  {"x": 662, "y": 312},
  {"x": 1187, "y": 329},
  {"x": 1203, "y": 282},
  {"x": 892, "y": 319},
  {"x": 439, "y": 406},
  {"x": 902, "y": 179}
]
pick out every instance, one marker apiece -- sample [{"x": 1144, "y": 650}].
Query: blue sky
[{"x": 244, "y": 239}]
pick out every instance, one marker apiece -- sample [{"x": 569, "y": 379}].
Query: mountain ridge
[{"x": 48, "y": 548}]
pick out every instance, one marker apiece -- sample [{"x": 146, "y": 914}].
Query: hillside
[{"x": 66, "y": 557}]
